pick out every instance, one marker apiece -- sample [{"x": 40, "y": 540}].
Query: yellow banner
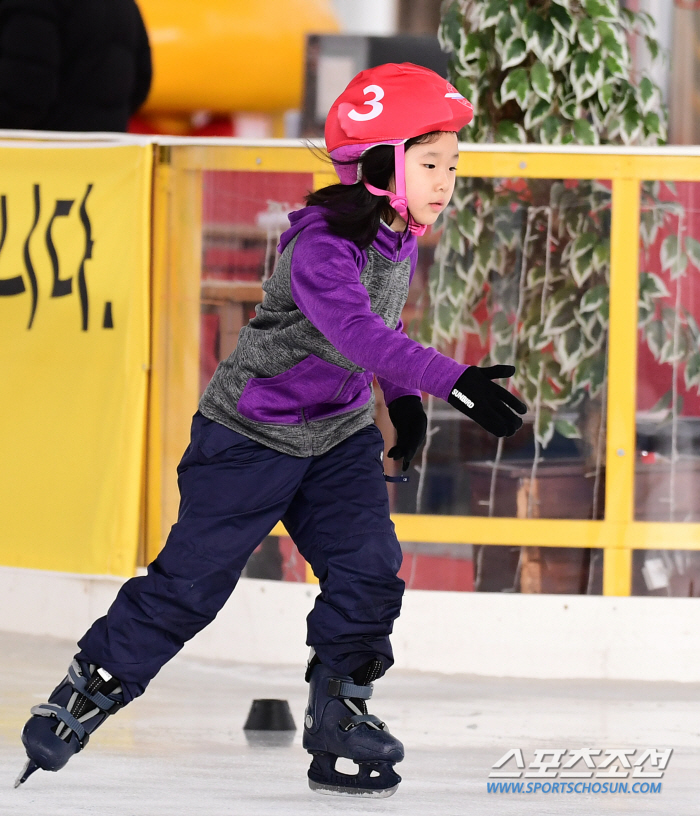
[{"x": 74, "y": 355}]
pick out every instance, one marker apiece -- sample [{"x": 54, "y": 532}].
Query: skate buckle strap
[
  {"x": 80, "y": 683},
  {"x": 342, "y": 688},
  {"x": 348, "y": 723},
  {"x": 62, "y": 714}
]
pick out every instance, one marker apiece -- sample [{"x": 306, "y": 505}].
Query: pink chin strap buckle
[{"x": 398, "y": 199}]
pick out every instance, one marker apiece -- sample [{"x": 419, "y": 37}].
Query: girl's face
[{"x": 430, "y": 178}]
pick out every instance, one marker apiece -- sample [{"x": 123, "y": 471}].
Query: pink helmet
[{"x": 390, "y": 104}]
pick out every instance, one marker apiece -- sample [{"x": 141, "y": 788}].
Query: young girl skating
[{"x": 285, "y": 431}]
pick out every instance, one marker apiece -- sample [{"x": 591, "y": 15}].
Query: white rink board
[{"x": 489, "y": 634}]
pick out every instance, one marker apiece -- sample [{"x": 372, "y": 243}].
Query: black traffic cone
[{"x": 270, "y": 723}]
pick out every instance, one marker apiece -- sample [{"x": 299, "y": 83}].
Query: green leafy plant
[
  {"x": 531, "y": 257},
  {"x": 552, "y": 71}
]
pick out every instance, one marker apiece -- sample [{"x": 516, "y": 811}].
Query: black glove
[
  {"x": 486, "y": 402},
  {"x": 409, "y": 419}
]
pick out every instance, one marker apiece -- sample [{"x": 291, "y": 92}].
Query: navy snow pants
[{"x": 232, "y": 492}]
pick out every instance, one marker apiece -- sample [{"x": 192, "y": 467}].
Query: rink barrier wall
[
  {"x": 173, "y": 386},
  {"x": 489, "y": 634},
  {"x": 75, "y": 324},
  {"x": 618, "y": 534}
]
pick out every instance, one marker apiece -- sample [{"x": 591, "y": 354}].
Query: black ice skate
[
  {"x": 337, "y": 725},
  {"x": 62, "y": 727}
]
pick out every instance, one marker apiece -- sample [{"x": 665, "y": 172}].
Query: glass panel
[
  {"x": 438, "y": 566},
  {"x": 243, "y": 216},
  {"x": 461, "y": 567},
  {"x": 668, "y": 573},
  {"x": 667, "y": 472},
  {"x": 276, "y": 559},
  {"x": 520, "y": 276},
  {"x": 536, "y": 570}
]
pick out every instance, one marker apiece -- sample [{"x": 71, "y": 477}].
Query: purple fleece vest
[{"x": 299, "y": 380}]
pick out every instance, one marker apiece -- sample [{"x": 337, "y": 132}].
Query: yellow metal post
[
  {"x": 175, "y": 339},
  {"x": 622, "y": 384},
  {"x": 617, "y": 571},
  {"x": 154, "y": 433}
]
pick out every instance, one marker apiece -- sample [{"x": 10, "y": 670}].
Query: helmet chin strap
[{"x": 398, "y": 199}]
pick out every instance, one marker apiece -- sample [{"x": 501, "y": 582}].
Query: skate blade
[
  {"x": 26, "y": 772},
  {"x": 342, "y": 790}
]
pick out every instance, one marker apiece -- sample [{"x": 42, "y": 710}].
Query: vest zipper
[
  {"x": 339, "y": 391},
  {"x": 307, "y": 433}
]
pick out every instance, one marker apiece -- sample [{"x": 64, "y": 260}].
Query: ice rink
[{"x": 180, "y": 749}]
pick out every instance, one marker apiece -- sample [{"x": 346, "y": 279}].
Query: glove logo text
[{"x": 462, "y": 398}]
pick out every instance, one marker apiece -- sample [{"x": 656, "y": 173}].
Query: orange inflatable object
[{"x": 230, "y": 55}]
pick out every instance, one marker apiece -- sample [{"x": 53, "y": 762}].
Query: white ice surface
[{"x": 180, "y": 749}]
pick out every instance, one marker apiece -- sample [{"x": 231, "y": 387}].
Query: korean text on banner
[{"x": 74, "y": 355}]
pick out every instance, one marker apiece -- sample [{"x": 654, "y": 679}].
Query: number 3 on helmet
[{"x": 376, "y": 106}]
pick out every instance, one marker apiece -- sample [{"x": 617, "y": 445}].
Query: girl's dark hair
[{"x": 351, "y": 210}]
